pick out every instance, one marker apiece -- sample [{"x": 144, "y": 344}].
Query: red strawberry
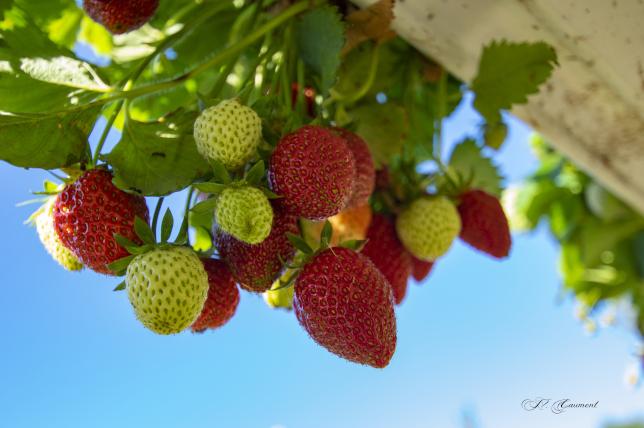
[
  {"x": 222, "y": 300},
  {"x": 121, "y": 16},
  {"x": 87, "y": 214},
  {"x": 386, "y": 251},
  {"x": 314, "y": 170},
  {"x": 420, "y": 268},
  {"x": 256, "y": 267},
  {"x": 484, "y": 224},
  {"x": 346, "y": 305},
  {"x": 309, "y": 98},
  {"x": 365, "y": 169}
]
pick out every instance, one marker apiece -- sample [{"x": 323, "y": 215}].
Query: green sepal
[
  {"x": 182, "y": 236},
  {"x": 50, "y": 187},
  {"x": 120, "y": 287},
  {"x": 269, "y": 194},
  {"x": 144, "y": 231},
  {"x": 299, "y": 243},
  {"x": 255, "y": 174},
  {"x": 220, "y": 172},
  {"x": 120, "y": 266},
  {"x": 326, "y": 234},
  {"x": 209, "y": 187},
  {"x": 166, "y": 225},
  {"x": 205, "y": 206},
  {"x": 130, "y": 246},
  {"x": 354, "y": 244}
]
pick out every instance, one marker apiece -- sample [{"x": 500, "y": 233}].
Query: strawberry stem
[{"x": 155, "y": 217}]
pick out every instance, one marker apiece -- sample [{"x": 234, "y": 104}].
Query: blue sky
[{"x": 478, "y": 337}]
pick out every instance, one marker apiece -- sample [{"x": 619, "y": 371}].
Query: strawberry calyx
[
  {"x": 150, "y": 242},
  {"x": 305, "y": 252}
]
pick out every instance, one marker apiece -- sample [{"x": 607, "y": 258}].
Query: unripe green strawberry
[
  {"x": 279, "y": 296},
  {"x": 229, "y": 133},
  {"x": 47, "y": 233},
  {"x": 428, "y": 227},
  {"x": 167, "y": 288},
  {"x": 244, "y": 213}
]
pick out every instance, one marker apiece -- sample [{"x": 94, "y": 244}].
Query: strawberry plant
[{"x": 297, "y": 131}]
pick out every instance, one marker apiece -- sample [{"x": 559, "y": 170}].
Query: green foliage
[
  {"x": 508, "y": 73},
  {"x": 320, "y": 37},
  {"x": 46, "y": 140},
  {"x": 384, "y": 127},
  {"x": 600, "y": 256},
  {"x": 469, "y": 164},
  {"x": 158, "y": 158}
]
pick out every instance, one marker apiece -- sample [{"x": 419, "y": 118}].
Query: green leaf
[
  {"x": 638, "y": 245},
  {"x": 64, "y": 71},
  {"x": 299, "y": 243},
  {"x": 120, "y": 266},
  {"x": 158, "y": 158},
  {"x": 384, "y": 127},
  {"x": 144, "y": 231},
  {"x": 255, "y": 174},
  {"x": 48, "y": 141},
  {"x": 468, "y": 162},
  {"x": 211, "y": 188},
  {"x": 508, "y": 73},
  {"x": 320, "y": 37},
  {"x": 166, "y": 225},
  {"x": 96, "y": 35}
]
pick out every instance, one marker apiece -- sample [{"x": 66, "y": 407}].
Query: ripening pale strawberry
[
  {"x": 229, "y": 133},
  {"x": 167, "y": 288},
  {"x": 255, "y": 267},
  {"x": 389, "y": 255},
  {"x": 222, "y": 300},
  {"x": 121, "y": 16},
  {"x": 365, "y": 180},
  {"x": 346, "y": 305},
  {"x": 428, "y": 226},
  {"x": 314, "y": 171},
  {"x": 245, "y": 213},
  {"x": 420, "y": 268},
  {"x": 349, "y": 224},
  {"x": 87, "y": 214},
  {"x": 279, "y": 296},
  {"x": 44, "y": 221},
  {"x": 485, "y": 226}
]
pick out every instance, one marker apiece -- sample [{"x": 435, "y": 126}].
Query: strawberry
[
  {"x": 280, "y": 296},
  {"x": 229, "y": 133},
  {"x": 428, "y": 226},
  {"x": 314, "y": 170},
  {"x": 244, "y": 213},
  {"x": 255, "y": 267},
  {"x": 365, "y": 180},
  {"x": 485, "y": 226},
  {"x": 87, "y": 214},
  {"x": 167, "y": 288},
  {"x": 420, "y": 268},
  {"x": 346, "y": 305},
  {"x": 44, "y": 220},
  {"x": 349, "y": 224},
  {"x": 121, "y": 16},
  {"x": 222, "y": 300},
  {"x": 386, "y": 251},
  {"x": 309, "y": 98}
]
